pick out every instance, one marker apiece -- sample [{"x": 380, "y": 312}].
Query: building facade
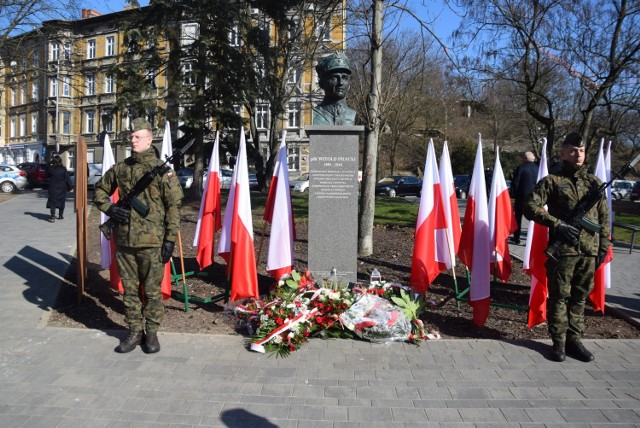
[{"x": 60, "y": 85}]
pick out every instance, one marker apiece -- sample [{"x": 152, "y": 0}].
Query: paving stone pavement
[{"x": 53, "y": 377}]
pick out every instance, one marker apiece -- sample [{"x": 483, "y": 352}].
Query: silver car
[{"x": 12, "y": 178}]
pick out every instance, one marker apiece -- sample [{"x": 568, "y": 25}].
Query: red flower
[{"x": 279, "y": 321}]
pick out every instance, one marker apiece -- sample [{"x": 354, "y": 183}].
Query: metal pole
[{"x": 57, "y": 130}]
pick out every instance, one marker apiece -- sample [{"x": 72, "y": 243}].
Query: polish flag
[
  {"x": 535, "y": 258},
  {"x": 279, "y": 213},
  {"x": 424, "y": 266},
  {"x": 108, "y": 246},
  {"x": 602, "y": 276},
  {"x": 210, "y": 215},
  {"x": 502, "y": 223},
  {"x": 450, "y": 235},
  {"x": 236, "y": 238},
  {"x": 475, "y": 248}
]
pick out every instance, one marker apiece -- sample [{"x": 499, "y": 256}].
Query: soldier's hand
[
  {"x": 118, "y": 214},
  {"x": 568, "y": 234},
  {"x": 167, "y": 251},
  {"x": 600, "y": 257}
]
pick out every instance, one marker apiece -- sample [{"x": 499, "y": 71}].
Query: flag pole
[
  {"x": 184, "y": 278},
  {"x": 264, "y": 231}
]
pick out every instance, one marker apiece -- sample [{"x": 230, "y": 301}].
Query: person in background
[
  {"x": 59, "y": 185},
  {"x": 524, "y": 178},
  {"x": 143, "y": 244},
  {"x": 570, "y": 275}
]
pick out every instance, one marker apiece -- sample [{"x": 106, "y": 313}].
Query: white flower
[{"x": 277, "y": 339}]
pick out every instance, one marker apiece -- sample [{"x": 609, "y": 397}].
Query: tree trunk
[{"x": 372, "y": 131}]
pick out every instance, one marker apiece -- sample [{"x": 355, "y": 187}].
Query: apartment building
[{"x": 60, "y": 84}]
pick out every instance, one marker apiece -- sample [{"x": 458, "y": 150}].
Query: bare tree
[{"x": 568, "y": 58}]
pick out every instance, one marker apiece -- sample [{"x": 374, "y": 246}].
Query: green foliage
[
  {"x": 410, "y": 307},
  {"x": 462, "y": 155}
]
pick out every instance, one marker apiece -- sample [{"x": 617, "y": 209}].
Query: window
[
  {"x": 67, "y": 51},
  {"x": 262, "y": 116},
  {"x": 36, "y": 59},
  {"x": 91, "y": 155},
  {"x": 293, "y": 31},
  {"x": 23, "y": 126},
  {"x": 109, "y": 84},
  {"x": 34, "y": 123},
  {"x": 66, "y": 86},
  {"x": 189, "y": 33},
  {"x": 189, "y": 75},
  {"x": 234, "y": 36},
  {"x": 293, "y": 158},
  {"x": 23, "y": 94},
  {"x": 90, "y": 123},
  {"x": 35, "y": 91},
  {"x": 14, "y": 96},
  {"x": 66, "y": 122},
  {"x": 12, "y": 129},
  {"x": 324, "y": 31},
  {"x": 90, "y": 80},
  {"x": 54, "y": 86},
  {"x": 55, "y": 51},
  {"x": 91, "y": 49},
  {"x": 294, "y": 76},
  {"x": 107, "y": 121},
  {"x": 293, "y": 115},
  {"x": 110, "y": 46}
]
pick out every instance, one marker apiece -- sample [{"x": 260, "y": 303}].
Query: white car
[
  {"x": 12, "y": 178},
  {"x": 300, "y": 183}
]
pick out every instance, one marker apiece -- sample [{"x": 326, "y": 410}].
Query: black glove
[
  {"x": 167, "y": 251},
  {"x": 600, "y": 257},
  {"x": 568, "y": 234},
  {"x": 118, "y": 214}
]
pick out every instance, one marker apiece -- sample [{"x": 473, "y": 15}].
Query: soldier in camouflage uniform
[
  {"x": 570, "y": 279},
  {"x": 143, "y": 244}
]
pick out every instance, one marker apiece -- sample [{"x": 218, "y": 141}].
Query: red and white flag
[
  {"x": 236, "y": 238},
  {"x": 475, "y": 248},
  {"x": 424, "y": 266},
  {"x": 451, "y": 213},
  {"x": 602, "y": 276},
  {"x": 210, "y": 215},
  {"x": 108, "y": 246},
  {"x": 279, "y": 213},
  {"x": 502, "y": 223},
  {"x": 535, "y": 258}
]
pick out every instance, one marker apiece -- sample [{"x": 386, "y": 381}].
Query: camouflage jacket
[
  {"x": 560, "y": 192},
  {"x": 163, "y": 197}
]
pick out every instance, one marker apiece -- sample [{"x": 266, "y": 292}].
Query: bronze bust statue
[{"x": 334, "y": 74}]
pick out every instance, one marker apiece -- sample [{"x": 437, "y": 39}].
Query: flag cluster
[{"x": 481, "y": 244}]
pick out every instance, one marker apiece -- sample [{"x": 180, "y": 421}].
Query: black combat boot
[
  {"x": 130, "y": 342},
  {"x": 557, "y": 352},
  {"x": 576, "y": 349},
  {"x": 151, "y": 343}
]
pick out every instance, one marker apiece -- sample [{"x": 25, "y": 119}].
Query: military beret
[
  {"x": 335, "y": 61},
  {"x": 140, "y": 124},
  {"x": 573, "y": 139}
]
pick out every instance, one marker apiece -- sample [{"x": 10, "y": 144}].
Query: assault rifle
[
  {"x": 576, "y": 216},
  {"x": 131, "y": 201}
]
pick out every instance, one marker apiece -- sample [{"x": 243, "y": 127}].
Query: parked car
[
  {"x": 12, "y": 178},
  {"x": 36, "y": 174},
  {"x": 462, "y": 183},
  {"x": 399, "y": 185},
  {"x": 635, "y": 192},
  {"x": 621, "y": 189},
  {"x": 300, "y": 183},
  {"x": 185, "y": 177},
  {"x": 253, "y": 182},
  {"x": 94, "y": 173}
]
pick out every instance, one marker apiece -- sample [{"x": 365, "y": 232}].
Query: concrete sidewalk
[{"x": 54, "y": 377}]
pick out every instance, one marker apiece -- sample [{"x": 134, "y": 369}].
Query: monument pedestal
[{"x": 333, "y": 201}]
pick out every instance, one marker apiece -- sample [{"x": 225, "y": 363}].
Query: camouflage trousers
[
  {"x": 141, "y": 271},
  {"x": 570, "y": 282}
]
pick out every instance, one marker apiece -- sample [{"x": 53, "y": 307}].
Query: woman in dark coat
[{"x": 59, "y": 184}]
